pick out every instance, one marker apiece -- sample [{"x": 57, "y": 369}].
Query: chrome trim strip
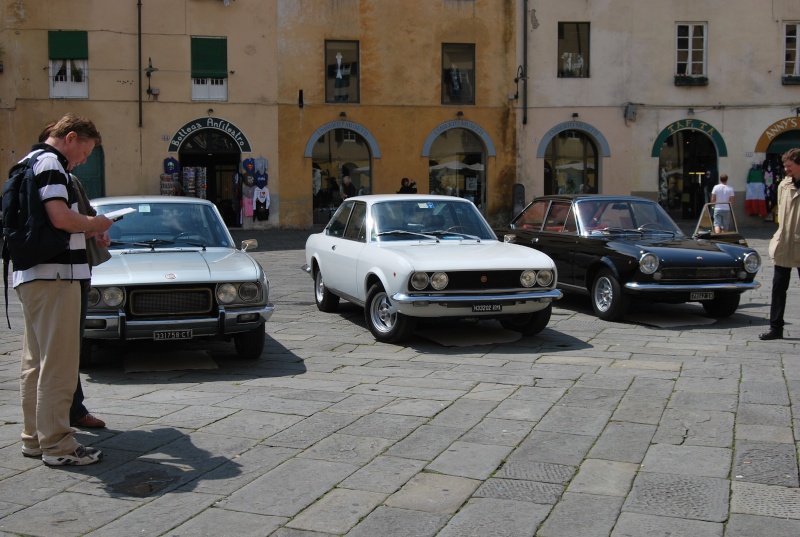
[
  {"x": 552, "y": 294},
  {"x": 733, "y": 286}
]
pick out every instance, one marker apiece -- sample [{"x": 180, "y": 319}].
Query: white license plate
[
  {"x": 480, "y": 308},
  {"x": 172, "y": 334},
  {"x": 701, "y": 296}
]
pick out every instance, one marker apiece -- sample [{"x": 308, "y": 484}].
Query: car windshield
[
  {"x": 428, "y": 218},
  {"x": 600, "y": 216},
  {"x": 165, "y": 224}
]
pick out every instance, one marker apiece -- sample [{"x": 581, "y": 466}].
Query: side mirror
[
  {"x": 510, "y": 238},
  {"x": 703, "y": 235},
  {"x": 249, "y": 244}
]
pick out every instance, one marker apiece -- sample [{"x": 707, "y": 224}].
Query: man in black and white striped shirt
[{"x": 50, "y": 293}]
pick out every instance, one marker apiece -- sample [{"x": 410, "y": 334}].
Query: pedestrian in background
[
  {"x": 50, "y": 295},
  {"x": 722, "y": 194},
  {"x": 784, "y": 248}
]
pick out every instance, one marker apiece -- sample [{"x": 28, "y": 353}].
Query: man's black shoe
[{"x": 772, "y": 334}]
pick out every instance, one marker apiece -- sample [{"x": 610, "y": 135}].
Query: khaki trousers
[{"x": 50, "y": 360}]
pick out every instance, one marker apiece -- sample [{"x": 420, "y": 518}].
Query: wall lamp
[
  {"x": 459, "y": 114},
  {"x": 520, "y": 76},
  {"x": 210, "y": 112},
  {"x": 149, "y": 70},
  {"x": 342, "y": 115},
  {"x": 575, "y": 115},
  {"x": 690, "y": 112}
]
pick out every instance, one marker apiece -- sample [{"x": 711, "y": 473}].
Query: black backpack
[{"x": 29, "y": 238}]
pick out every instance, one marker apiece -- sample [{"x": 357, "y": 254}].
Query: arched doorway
[
  {"x": 457, "y": 166},
  {"x": 688, "y": 170},
  {"x": 219, "y": 154},
  {"x": 570, "y": 163},
  {"x": 337, "y": 153}
]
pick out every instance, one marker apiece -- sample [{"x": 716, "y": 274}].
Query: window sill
[
  {"x": 790, "y": 80},
  {"x": 681, "y": 80}
]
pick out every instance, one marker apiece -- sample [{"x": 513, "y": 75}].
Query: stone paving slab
[{"x": 589, "y": 428}]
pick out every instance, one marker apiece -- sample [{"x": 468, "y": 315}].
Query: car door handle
[
  {"x": 333, "y": 247},
  {"x": 535, "y": 239}
]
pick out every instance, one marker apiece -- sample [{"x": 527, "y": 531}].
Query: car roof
[
  {"x": 373, "y": 198},
  {"x": 134, "y": 200},
  {"x": 600, "y": 197}
]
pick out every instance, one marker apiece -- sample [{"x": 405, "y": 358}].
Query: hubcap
[{"x": 603, "y": 295}]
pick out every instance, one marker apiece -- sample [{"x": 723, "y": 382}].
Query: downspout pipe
[
  {"x": 139, "y": 7},
  {"x": 524, "y": 64}
]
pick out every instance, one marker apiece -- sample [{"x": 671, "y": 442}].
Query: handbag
[{"x": 96, "y": 253}]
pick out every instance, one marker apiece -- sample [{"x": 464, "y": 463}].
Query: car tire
[
  {"x": 250, "y": 345},
  {"x": 385, "y": 325},
  {"x": 86, "y": 352},
  {"x": 528, "y": 324},
  {"x": 326, "y": 301},
  {"x": 608, "y": 301},
  {"x": 721, "y": 307}
]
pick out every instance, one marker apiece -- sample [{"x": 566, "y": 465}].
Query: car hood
[
  {"x": 469, "y": 255},
  {"x": 681, "y": 249},
  {"x": 175, "y": 266}
]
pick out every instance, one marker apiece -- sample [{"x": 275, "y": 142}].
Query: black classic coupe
[{"x": 623, "y": 248}]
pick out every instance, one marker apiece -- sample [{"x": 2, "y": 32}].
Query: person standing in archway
[{"x": 722, "y": 194}]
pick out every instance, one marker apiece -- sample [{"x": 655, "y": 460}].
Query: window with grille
[
  {"x": 69, "y": 64},
  {"x": 691, "y": 50},
  {"x": 791, "y": 60},
  {"x": 209, "y": 69}
]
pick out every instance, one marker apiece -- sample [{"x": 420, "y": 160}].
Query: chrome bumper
[
  {"x": 679, "y": 287},
  {"x": 424, "y": 300},
  {"x": 115, "y": 325}
]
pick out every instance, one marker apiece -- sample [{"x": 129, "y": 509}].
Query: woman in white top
[{"x": 722, "y": 194}]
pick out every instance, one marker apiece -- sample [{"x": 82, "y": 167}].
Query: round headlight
[
  {"x": 528, "y": 278},
  {"x": 94, "y": 297},
  {"x": 752, "y": 262},
  {"x": 248, "y": 291},
  {"x": 419, "y": 280},
  {"x": 226, "y": 293},
  {"x": 439, "y": 280},
  {"x": 545, "y": 278},
  {"x": 648, "y": 263},
  {"x": 113, "y": 296}
]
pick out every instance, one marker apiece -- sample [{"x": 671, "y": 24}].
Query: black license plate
[
  {"x": 483, "y": 308},
  {"x": 702, "y": 296},
  {"x": 161, "y": 335}
]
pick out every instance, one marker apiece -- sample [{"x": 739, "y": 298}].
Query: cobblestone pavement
[{"x": 588, "y": 429}]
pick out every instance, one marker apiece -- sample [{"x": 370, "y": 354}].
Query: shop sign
[
  {"x": 691, "y": 124},
  {"x": 774, "y": 130},
  {"x": 209, "y": 123}
]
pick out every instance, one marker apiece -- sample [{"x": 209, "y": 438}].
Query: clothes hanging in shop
[
  {"x": 260, "y": 203},
  {"x": 755, "y": 203}
]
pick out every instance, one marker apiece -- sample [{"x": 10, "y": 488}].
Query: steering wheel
[
  {"x": 647, "y": 225},
  {"x": 453, "y": 228}
]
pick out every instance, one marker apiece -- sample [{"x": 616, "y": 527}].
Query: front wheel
[
  {"x": 723, "y": 306},
  {"x": 608, "y": 301},
  {"x": 326, "y": 301},
  {"x": 528, "y": 324},
  {"x": 250, "y": 345},
  {"x": 383, "y": 320}
]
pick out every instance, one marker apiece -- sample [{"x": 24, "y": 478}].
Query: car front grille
[
  {"x": 170, "y": 302},
  {"x": 699, "y": 273},
  {"x": 484, "y": 280}
]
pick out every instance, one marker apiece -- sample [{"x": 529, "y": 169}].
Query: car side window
[
  {"x": 356, "y": 227},
  {"x": 533, "y": 216},
  {"x": 337, "y": 224},
  {"x": 557, "y": 217}
]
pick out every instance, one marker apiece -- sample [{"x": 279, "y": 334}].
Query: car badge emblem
[
  {"x": 170, "y": 276},
  {"x": 484, "y": 279},
  {"x": 700, "y": 257}
]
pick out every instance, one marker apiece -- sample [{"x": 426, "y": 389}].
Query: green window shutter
[
  {"x": 209, "y": 57},
  {"x": 68, "y": 45}
]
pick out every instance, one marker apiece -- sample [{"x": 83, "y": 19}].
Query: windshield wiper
[
  {"x": 404, "y": 232},
  {"x": 152, "y": 243},
  {"x": 443, "y": 232}
]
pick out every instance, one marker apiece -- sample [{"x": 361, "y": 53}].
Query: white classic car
[
  {"x": 175, "y": 274},
  {"x": 409, "y": 256}
]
